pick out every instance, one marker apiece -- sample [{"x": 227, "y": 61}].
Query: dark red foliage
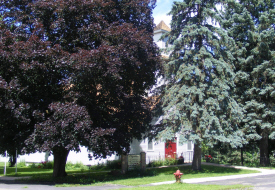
[
  {"x": 81, "y": 69},
  {"x": 68, "y": 125}
]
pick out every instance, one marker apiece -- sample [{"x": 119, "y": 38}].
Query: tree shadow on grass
[
  {"x": 25, "y": 171},
  {"x": 97, "y": 177}
]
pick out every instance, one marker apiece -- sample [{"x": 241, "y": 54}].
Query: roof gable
[{"x": 162, "y": 26}]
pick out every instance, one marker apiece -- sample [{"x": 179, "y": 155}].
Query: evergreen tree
[
  {"x": 198, "y": 101},
  {"x": 251, "y": 25}
]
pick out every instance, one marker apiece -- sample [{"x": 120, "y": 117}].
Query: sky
[
  {"x": 160, "y": 12},
  {"x": 162, "y": 9}
]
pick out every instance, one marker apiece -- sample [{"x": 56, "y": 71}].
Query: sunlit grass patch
[{"x": 184, "y": 186}]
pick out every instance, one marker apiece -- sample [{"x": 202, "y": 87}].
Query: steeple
[{"x": 162, "y": 26}]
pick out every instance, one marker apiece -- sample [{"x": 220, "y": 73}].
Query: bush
[
  {"x": 170, "y": 161},
  {"x": 165, "y": 162},
  {"x": 48, "y": 165},
  {"x": 22, "y": 163},
  {"x": 156, "y": 163},
  {"x": 100, "y": 166},
  {"x": 114, "y": 164},
  {"x": 251, "y": 160},
  {"x": 137, "y": 172},
  {"x": 32, "y": 165},
  {"x": 43, "y": 165},
  {"x": 77, "y": 165},
  {"x": 272, "y": 160},
  {"x": 69, "y": 165},
  {"x": 233, "y": 157},
  {"x": 181, "y": 160}
]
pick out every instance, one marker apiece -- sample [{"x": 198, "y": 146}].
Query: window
[
  {"x": 150, "y": 144},
  {"x": 189, "y": 145}
]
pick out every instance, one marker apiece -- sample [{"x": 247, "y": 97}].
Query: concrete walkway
[{"x": 210, "y": 179}]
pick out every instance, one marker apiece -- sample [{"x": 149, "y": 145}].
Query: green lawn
[
  {"x": 133, "y": 178},
  {"x": 166, "y": 174},
  {"x": 24, "y": 171},
  {"x": 180, "y": 186},
  {"x": 27, "y": 171},
  {"x": 184, "y": 186}
]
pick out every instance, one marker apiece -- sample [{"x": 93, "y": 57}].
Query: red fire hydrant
[{"x": 178, "y": 176}]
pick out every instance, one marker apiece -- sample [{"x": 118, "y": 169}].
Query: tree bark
[
  {"x": 264, "y": 156},
  {"x": 196, "y": 163},
  {"x": 242, "y": 156},
  {"x": 12, "y": 160},
  {"x": 60, "y": 155}
]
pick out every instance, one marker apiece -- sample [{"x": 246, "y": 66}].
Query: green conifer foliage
[
  {"x": 251, "y": 25},
  {"x": 198, "y": 99}
]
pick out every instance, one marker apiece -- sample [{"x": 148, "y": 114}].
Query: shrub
[
  {"x": 137, "y": 172},
  {"x": 69, "y": 165},
  {"x": 77, "y": 165},
  {"x": 48, "y": 165},
  {"x": 43, "y": 165},
  {"x": 181, "y": 160},
  {"x": 32, "y": 165},
  {"x": 251, "y": 160},
  {"x": 165, "y": 162},
  {"x": 170, "y": 161},
  {"x": 272, "y": 160},
  {"x": 114, "y": 164},
  {"x": 100, "y": 166},
  {"x": 22, "y": 163}
]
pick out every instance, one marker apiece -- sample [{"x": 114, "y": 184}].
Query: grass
[
  {"x": 166, "y": 174},
  {"x": 184, "y": 186},
  {"x": 25, "y": 171},
  {"x": 180, "y": 186},
  {"x": 135, "y": 178},
  {"x": 77, "y": 177},
  {"x": 28, "y": 171}
]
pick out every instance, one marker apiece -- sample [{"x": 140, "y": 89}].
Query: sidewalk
[
  {"x": 207, "y": 179},
  {"x": 7, "y": 178}
]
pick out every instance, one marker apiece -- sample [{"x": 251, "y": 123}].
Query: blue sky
[
  {"x": 163, "y": 7},
  {"x": 160, "y": 12}
]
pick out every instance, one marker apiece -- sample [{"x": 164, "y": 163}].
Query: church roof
[{"x": 162, "y": 26}]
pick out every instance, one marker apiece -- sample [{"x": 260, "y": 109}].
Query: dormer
[{"x": 159, "y": 30}]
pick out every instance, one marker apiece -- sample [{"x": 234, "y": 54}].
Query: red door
[{"x": 170, "y": 149}]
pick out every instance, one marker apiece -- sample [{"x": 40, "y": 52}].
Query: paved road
[
  {"x": 262, "y": 182},
  {"x": 9, "y": 183},
  {"x": 5, "y": 186}
]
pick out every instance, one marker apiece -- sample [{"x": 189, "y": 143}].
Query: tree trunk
[
  {"x": 60, "y": 155},
  {"x": 242, "y": 156},
  {"x": 196, "y": 164},
  {"x": 12, "y": 160},
  {"x": 264, "y": 156}
]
